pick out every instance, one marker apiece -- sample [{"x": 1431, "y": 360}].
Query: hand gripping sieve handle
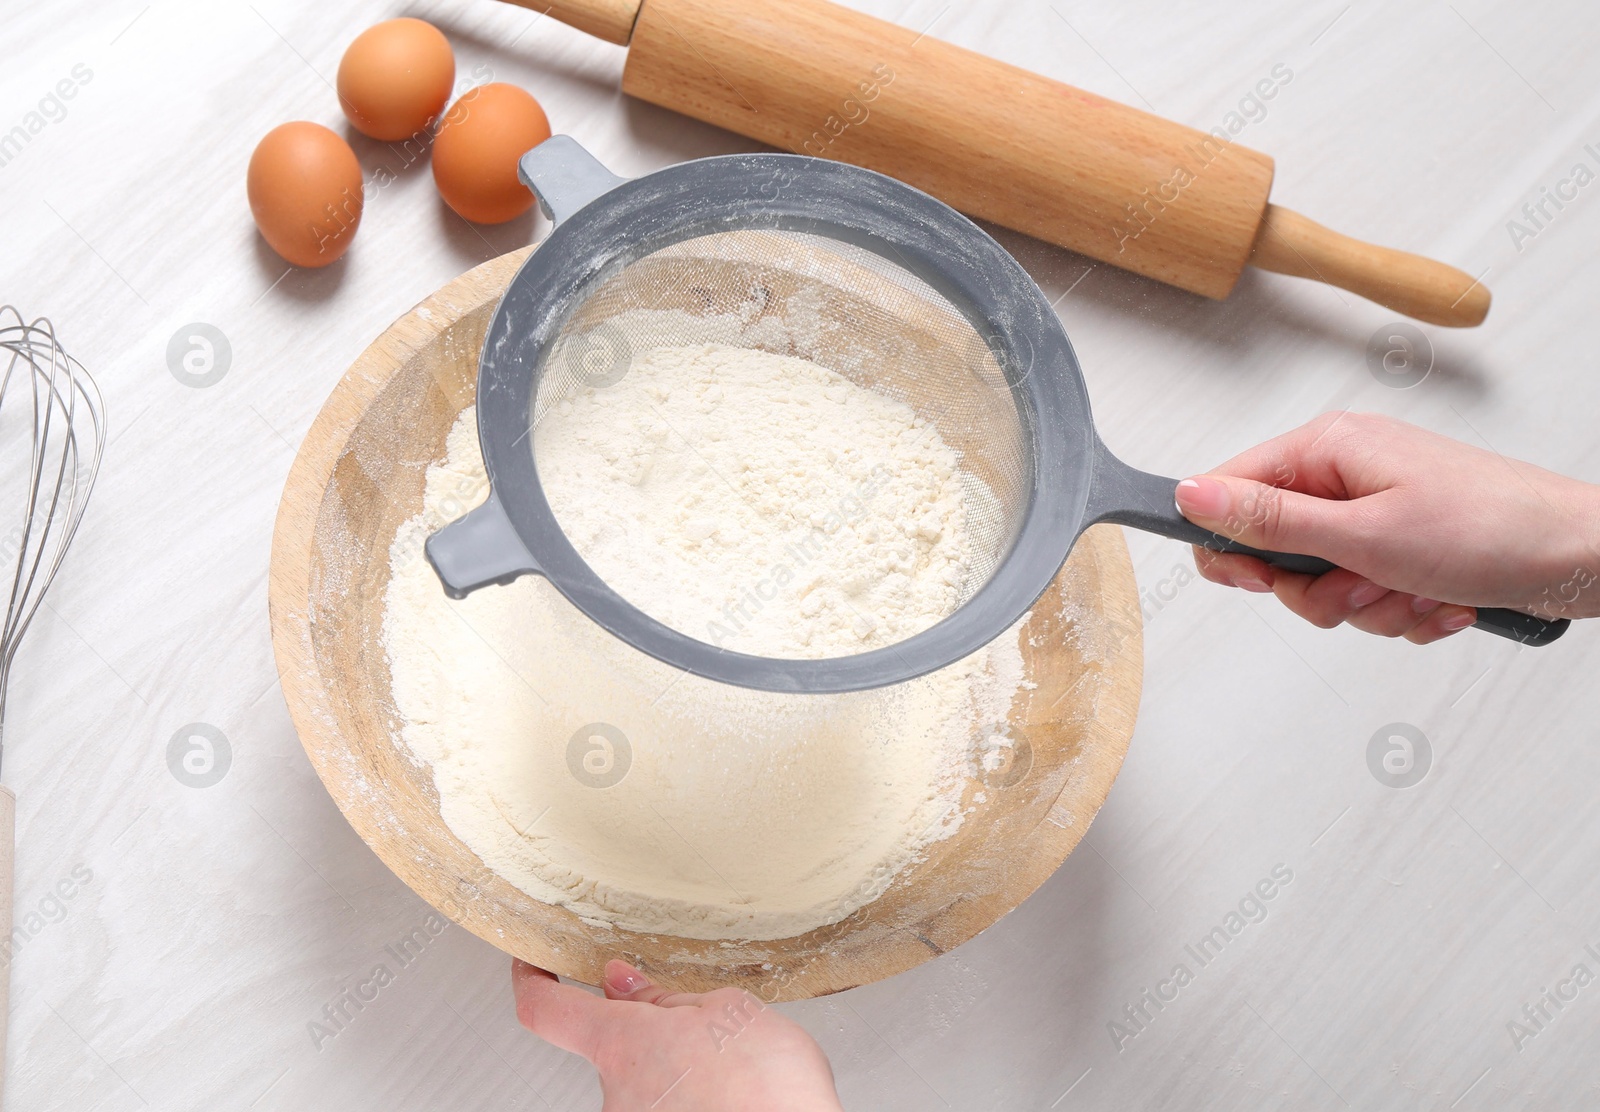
[{"x": 1127, "y": 496}]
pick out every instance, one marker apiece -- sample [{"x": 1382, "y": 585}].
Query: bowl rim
[{"x": 1106, "y": 730}]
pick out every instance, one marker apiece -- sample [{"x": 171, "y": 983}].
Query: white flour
[
  {"x": 595, "y": 778},
  {"x": 759, "y": 502}
]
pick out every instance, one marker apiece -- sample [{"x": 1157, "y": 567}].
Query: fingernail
[
  {"x": 1203, "y": 498},
  {"x": 1251, "y": 583},
  {"x": 623, "y": 979},
  {"x": 1457, "y": 621},
  {"x": 1422, "y": 605},
  {"x": 1365, "y": 594}
]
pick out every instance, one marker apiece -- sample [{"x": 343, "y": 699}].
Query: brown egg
[
  {"x": 305, "y": 193},
  {"x": 395, "y": 79},
  {"x": 476, "y": 152}
]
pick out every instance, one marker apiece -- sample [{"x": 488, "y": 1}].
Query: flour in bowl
[{"x": 598, "y": 779}]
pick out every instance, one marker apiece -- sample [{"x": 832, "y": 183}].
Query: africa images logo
[
  {"x": 1141, "y": 214},
  {"x": 51, "y": 109},
  {"x": 1544, "y": 210},
  {"x": 1251, "y": 909}
]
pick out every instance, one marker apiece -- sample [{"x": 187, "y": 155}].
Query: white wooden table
[{"x": 209, "y": 927}]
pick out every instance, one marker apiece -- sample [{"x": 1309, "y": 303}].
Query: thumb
[
  {"x": 624, "y": 982},
  {"x": 559, "y": 1014},
  {"x": 1268, "y": 517}
]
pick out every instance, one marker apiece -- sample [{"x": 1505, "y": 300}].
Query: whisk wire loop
[{"x": 67, "y": 432}]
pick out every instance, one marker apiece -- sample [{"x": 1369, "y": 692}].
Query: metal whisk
[
  {"x": 45, "y": 390},
  {"x": 67, "y": 417}
]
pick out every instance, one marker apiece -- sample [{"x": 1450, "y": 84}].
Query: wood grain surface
[
  {"x": 1430, "y": 291},
  {"x": 359, "y": 475},
  {"x": 611, "y": 20},
  {"x": 1121, "y": 185},
  {"x": 993, "y": 140}
]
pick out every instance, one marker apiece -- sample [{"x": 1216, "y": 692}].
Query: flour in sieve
[
  {"x": 727, "y": 813},
  {"x": 759, "y": 502}
]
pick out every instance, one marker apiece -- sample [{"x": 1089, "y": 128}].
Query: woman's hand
[
  {"x": 1423, "y": 528},
  {"x": 722, "y": 1051}
]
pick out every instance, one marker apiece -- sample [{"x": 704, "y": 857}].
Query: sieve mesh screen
[{"x": 837, "y": 305}]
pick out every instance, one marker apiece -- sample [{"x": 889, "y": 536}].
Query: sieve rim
[{"x": 794, "y": 193}]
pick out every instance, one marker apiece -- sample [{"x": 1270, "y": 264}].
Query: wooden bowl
[{"x": 360, "y": 474}]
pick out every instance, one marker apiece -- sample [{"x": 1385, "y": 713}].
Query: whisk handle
[
  {"x": 8, "y": 843},
  {"x": 1127, "y": 496}
]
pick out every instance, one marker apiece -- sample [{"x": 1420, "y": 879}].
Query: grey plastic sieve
[{"x": 604, "y": 224}]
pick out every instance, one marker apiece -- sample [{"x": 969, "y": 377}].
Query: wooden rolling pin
[{"x": 1080, "y": 171}]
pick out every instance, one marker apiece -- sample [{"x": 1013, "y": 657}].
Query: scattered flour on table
[{"x": 725, "y": 813}]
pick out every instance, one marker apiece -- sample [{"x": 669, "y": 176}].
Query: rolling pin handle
[
  {"x": 477, "y": 550},
  {"x": 564, "y": 176},
  {"x": 611, "y": 20},
  {"x": 1124, "y": 495},
  {"x": 1288, "y": 243}
]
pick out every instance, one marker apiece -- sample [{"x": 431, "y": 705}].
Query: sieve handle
[
  {"x": 564, "y": 176},
  {"x": 1127, "y": 496},
  {"x": 477, "y": 550}
]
